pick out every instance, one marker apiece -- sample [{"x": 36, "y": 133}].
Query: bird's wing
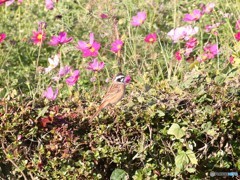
[{"x": 113, "y": 90}]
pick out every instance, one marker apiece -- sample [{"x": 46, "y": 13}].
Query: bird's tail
[{"x": 102, "y": 106}]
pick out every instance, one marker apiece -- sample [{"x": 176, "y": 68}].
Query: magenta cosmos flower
[
  {"x": 237, "y": 36},
  {"x": 116, "y": 46},
  {"x": 127, "y": 79},
  {"x": 38, "y": 37},
  {"x": 95, "y": 65},
  {"x": 178, "y": 55},
  {"x": 211, "y": 50},
  {"x": 151, "y": 38},
  {"x": 89, "y": 49},
  {"x": 194, "y": 16},
  {"x": 49, "y": 4},
  {"x": 139, "y": 19},
  {"x": 2, "y": 37},
  {"x": 49, "y": 94},
  {"x": 73, "y": 78},
  {"x": 2, "y": 2},
  {"x": 60, "y": 39}
]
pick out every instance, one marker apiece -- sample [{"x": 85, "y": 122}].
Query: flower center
[
  {"x": 92, "y": 49},
  {"x": 151, "y": 39},
  {"x": 119, "y": 46},
  {"x": 89, "y": 45},
  {"x": 39, "y": 36}
]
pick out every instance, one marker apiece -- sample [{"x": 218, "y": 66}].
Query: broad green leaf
[
  {"x": 192, "y": 157},
  {"x": 180, "y": 161},
  {"x": 176, "y": 131},
  {"x": 119, "y": 174}
]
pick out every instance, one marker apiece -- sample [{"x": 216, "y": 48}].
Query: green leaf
[
  {"x": 42, "y": 112},
  {"x": 192, "y": 157},
  {"x": 191, "y": 170},
  {"x": 160, "y": 113},
  {"x": 180, "y": 161},
  {"x": 119, "y": 174},
  {"x": 176, "y": 131}
]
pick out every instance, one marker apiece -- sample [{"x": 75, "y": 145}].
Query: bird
[{"x": 114, "y": 94}]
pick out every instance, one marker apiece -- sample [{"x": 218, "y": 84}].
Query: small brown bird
[{"x": 114, "y": 94}]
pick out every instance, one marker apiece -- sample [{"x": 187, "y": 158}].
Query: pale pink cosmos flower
[
  {"x": 151, "y": 38},
  {"x": 208, "y": 8},
  {"x": 64, "y": 71},
  {"x": 49, "y": 94},
  {"x": 53, "y": 63},
  {"x": 127, "y": 79},
  {"x": 139, "y": 19},
  {"x": 89, "y": 49},
  {"x": 184, "y": 32},
  {"x": 38, "y": 37},
  {"x": 194, "y": 16},
  {"x": 116, "y": 46},
  {"x": 211, "y": 50},
  {"x": 9, "y": 2},
  {"x": 237, "y": 26},
  {"x": 2, "y": 37},
  {"x": 73, "y": 78},
  {"x": 60, "y": 39},
  {"x": 49, "y": 4},
  {"x": 95, "y": 65}
]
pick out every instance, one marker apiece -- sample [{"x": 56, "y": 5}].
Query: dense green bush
[{"x": 178, "y": 119}]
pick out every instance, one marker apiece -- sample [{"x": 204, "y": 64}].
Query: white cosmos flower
[{"x": 52, "y": 63}]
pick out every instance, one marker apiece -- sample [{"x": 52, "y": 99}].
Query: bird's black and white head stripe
[{"x": 119, "y": 78}]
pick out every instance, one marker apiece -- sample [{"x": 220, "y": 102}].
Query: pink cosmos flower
[
  {"x": 64, "y": 71},
  {"x": 95, "y": 65},
  {"x": 38, "y": 37},
  {"x": 196, "y": 15},
  {"x": 208, "y": 8},
  {"x": 184, "y": 32},
  {"x": 49, "y": 4},
  {"x": 211, "y": 50},
  {"x": 178, "y": 55},
  {"x": 60, "y": 39},
  {"x": 2, "y": 37},
  {"x": 237, "y": 36},
  {"x": 116, "y": 46},
  {"x": 73, "y": 78},
  {"x": 127, "y": 79},
  {"x": 104, "y": 16},
  {"x": 237, "y": 26},
  {"x": 139, "y": 19},
  {"x": 49, "y": 94},
  {"x": 191, "y": 43},
  {"x": 231, "y": 59},
  {"x": 151, "y": 38},
  {"x": 209, "y": 28},
  {"x": 89, "y": 49}
]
